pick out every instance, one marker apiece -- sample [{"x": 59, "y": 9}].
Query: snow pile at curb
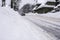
[{"x": 54, "y": 15}]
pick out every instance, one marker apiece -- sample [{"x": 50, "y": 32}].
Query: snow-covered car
[{"x": 21, "y": 12}]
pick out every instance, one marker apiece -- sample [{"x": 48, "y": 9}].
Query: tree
[
  {"x": 57, "y": 2},
  {"x": 15, "y": 4},
  {"x": 12, "y": 1}
]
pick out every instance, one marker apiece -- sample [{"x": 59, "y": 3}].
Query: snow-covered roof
[
  {"x": 44, "y": 1},
  {"x": 43, "y": 6},
  {"x": 34, "y": 8},
  {"x": 57, "y": 6},
  {"x": 46, "y": 6}
]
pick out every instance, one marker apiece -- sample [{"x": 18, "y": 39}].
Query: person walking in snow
[{"x": 3, "y": 3}]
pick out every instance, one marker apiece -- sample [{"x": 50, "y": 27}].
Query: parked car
[{"x": 21, "y": 12}]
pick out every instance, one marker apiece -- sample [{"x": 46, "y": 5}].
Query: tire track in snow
[{"x": 54, "y": 31}]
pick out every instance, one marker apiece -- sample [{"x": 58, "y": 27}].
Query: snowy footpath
[{"x": 15, "y": 27}]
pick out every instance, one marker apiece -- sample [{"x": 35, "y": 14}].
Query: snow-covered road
[
  {"x": 15, "y": 27},
  {"x": 49, "y": 24}
]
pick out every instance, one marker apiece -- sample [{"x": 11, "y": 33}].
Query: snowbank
[
  {"x": 54, "y": 15},
  {"x": 30, "y": 13},
  {"x": 14, "y": 27}
]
